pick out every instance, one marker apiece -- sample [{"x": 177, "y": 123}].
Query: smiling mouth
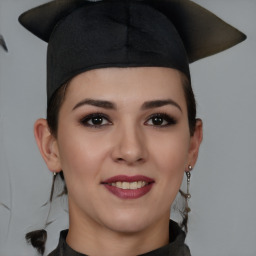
[{"x": 129, "y": 185}]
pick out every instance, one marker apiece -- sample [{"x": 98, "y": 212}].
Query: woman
[{"x": 121, "y": 121}]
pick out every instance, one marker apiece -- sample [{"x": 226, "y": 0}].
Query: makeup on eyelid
[{"x": 157, "y": 119}]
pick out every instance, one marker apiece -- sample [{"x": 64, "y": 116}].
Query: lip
[
  {"x": 128, "y": 193},
  {"x": 125, "y": 178}
]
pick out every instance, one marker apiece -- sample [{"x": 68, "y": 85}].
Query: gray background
[{"x": 223, "y": 203}]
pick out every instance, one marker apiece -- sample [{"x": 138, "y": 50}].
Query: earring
[
  {"x": 53, "y": 182},
  {"x": 188, "y": 195}
]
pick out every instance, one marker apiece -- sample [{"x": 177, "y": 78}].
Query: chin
[
  {"x": 129, "y": 222},
  {"x": 128, "y": 227}
]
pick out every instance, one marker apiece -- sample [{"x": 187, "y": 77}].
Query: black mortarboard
[{"x": 84, "y": 35}]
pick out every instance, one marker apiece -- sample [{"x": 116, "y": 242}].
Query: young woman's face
[{"x": 123, "y": 144}]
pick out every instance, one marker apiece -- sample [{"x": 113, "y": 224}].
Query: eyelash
[
  {"x": 85, "y": 120},
  {"x": 165, "y": 118}
]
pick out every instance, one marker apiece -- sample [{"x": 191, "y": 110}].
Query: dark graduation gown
[{"x": 176, "y": 247}]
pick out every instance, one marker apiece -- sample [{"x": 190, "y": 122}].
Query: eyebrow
[
  {"x": 96, "y": 103},
  {"x": 109, "y": 105},
  {"x": 159, "y": 103}
]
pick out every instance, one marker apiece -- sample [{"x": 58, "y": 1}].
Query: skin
[{"x": 127, "y": 142}]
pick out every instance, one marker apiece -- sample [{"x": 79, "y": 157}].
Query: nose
[{"x": 130, "y": 146}]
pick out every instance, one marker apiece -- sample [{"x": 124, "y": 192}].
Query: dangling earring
[
  {"x": 188, "y": 195},
  {"x": 53, "y": 182}
]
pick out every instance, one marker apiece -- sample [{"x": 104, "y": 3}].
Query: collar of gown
[{"x": 176, "y": 246}]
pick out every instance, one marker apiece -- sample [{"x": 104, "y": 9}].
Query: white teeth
[
  {"x": 126, "y": 185},
  {"x": 134, "y": 185},
  {"x": 129, "y": 185},
  {"x": 118, "y": 184}
]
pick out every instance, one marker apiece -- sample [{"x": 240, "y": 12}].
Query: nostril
[{"x": 120, "y": 160}]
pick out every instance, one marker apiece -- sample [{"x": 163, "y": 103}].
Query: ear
[
  {"x": 47, "y": 145},
  {"x": 195, "y": 142}
]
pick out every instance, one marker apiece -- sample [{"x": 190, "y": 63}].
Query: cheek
[
  {"x": 170, "y": 157},
  {"x": 81, "y": 155},
  {"x": 80, "y": 161},
  {"x": 171, "y": 152}
]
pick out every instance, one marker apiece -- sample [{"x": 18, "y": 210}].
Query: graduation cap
[{"x": 84, "y": 35}]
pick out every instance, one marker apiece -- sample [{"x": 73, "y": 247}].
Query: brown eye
[
  {"x": 161, "y": 120},
  {"x": 95, "y": 120},
  {"x": 157, "y": 120}
]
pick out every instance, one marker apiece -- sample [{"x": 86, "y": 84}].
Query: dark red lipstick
[{"x": 129, "y": 187}]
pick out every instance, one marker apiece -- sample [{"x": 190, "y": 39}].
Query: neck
[{"x": 89, "y": 237}]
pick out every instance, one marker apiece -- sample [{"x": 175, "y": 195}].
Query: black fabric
[
  {"x": 124, "y": 34},
  {"x": 176, "y": 247},
  {"x": 84, "y": 35}
]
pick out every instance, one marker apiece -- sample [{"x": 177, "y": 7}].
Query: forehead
[{"x": 129, "y": 85}]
